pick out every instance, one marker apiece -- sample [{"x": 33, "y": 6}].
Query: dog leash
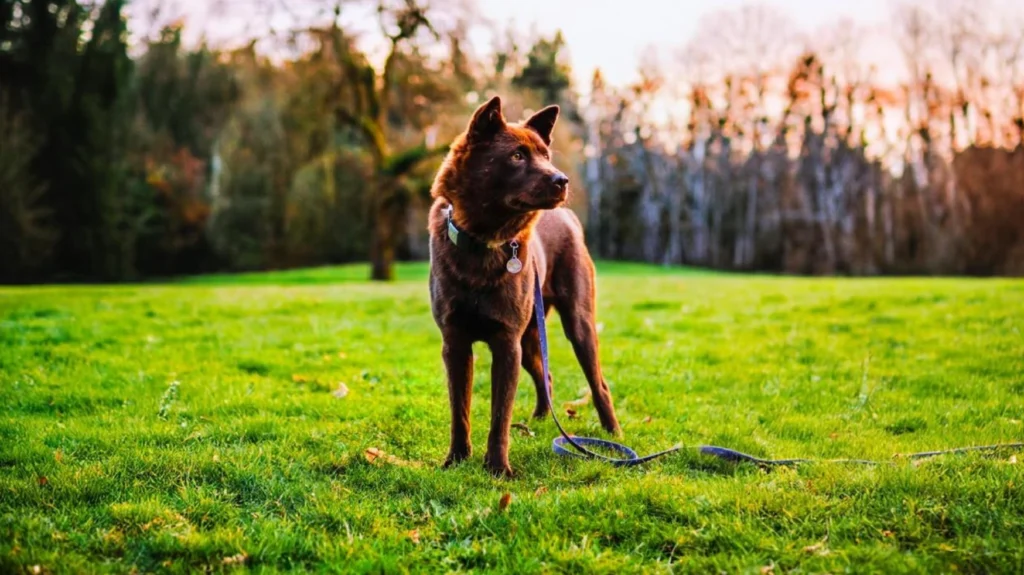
[{"x": 630, "y": 457}]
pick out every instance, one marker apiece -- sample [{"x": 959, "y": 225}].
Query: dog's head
[{"x": 497, "y": 165}]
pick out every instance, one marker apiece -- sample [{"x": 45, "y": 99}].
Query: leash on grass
[{"x": 630, "y": 457}]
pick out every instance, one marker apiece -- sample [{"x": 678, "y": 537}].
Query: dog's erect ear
[
  {"x": 543, "y": 122},
  {"x": 487, "y": 120}
]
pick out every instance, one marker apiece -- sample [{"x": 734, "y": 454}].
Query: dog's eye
[{"x": 518, "y": 156}]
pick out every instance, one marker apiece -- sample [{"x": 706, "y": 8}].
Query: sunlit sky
[
  {"x": 612, "y": 34},
  {"x": 609, "y": 34}
]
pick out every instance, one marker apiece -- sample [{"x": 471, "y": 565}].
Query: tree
[
  {"x": 546, "y": 70},
  {"x": 368, "y": 107}
]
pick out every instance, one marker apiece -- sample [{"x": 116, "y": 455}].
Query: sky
[
  {"x": 607, "y": 34},
  {"x": 613, "y": 34}
]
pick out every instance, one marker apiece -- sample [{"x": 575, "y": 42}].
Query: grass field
[{"x": 191, "y": 426}]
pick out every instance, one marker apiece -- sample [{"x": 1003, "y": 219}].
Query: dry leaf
[
  {"x": 768, "y": 570},
  {"x": 341, "y": 392},
  {"x": 887, "y": 533},
  {"x": 578, "y": 402},
  {"x": 414, "y": 535},
  {"x": 647, "y": 419},
  {"x": 571, "y": 413},
  {"x": 1012, "y": 460},
  {"x": 818, "y": 548},
  {"x": 503, "y": 503},
  {"x": 235, "y": 559},
  {"x": 526, "y": 430},
  {"x": 58, "y": 456},
  {"x": 372, "y": 454},
  {"x": 299, "y": 378},
  {"x": 43, "y": 480},
  {"x": 540, "y": 491},
  {"x": 37, "y": 569}
]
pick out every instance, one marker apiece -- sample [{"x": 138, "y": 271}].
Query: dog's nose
[{"x": 559, "y": 179}]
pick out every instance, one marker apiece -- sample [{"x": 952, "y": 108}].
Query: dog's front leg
[
  {"x": 506, "y": 353},
  {"x": 457, "y": 353}
]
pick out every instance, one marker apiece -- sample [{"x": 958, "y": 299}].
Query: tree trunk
[
  {"x": 699, "y": 213},
  {"x": 595, "y": 189},
  {"x": 385, "y": 231},
  {"x": 382, "y": 248},
  {"x": 744, "y": 256}
]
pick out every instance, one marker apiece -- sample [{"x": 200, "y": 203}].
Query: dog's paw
[
  {"x": 611, "y": 425},
  {"x": 499, "y": 468},
  {"x": 456, "y": 457},
  {"x": 501, "y": 471},
  {"x": 541, "y": 412}
]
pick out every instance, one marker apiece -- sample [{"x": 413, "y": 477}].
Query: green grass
[{"x": 171, "y": 427}]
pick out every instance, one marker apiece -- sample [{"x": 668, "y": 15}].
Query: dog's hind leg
[
  {"x": 578, "y": 313},
  {"x": 533, "y": 362}
]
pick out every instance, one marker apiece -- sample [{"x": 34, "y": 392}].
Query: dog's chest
[{"x": 482, "y": 312}]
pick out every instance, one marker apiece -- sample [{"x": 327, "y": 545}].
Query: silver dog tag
[{"x": 514, "y": 265}]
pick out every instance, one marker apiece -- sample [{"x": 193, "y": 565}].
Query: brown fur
[{"x": 498, "y": 197}]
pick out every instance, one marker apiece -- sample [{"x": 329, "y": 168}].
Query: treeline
[
  {"x": 186, "y": 160},
  {"x": 777, "y": 153},
  {"x": 803, "y": 163}
]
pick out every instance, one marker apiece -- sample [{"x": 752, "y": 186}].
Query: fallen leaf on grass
[
  {"x": 235, "y": 559},
  {"x": 299, "y": 378},
  {"x": 578, "y": 402},
  {"x": 43, "y": 481},
  {"x": 647, "y": 419},
  {"x": 414, "y": 536},
  {"x": 526, "y": 430},
  {"x": 540, "y": 491},
  {"x": 887, "y": 533},
  {"x": 504, "y": 502},
  {"x": 768, "y": 570},
  {"x": 341, "y": 392},
  {"x": 817, "y": 549},
  {"x": 374, "y": 455},
  {"x": 813, "y": 548},
  {"x": 571, "y": 413}
]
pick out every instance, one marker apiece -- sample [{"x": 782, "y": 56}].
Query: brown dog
[{"x": 496, "y": 207}]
